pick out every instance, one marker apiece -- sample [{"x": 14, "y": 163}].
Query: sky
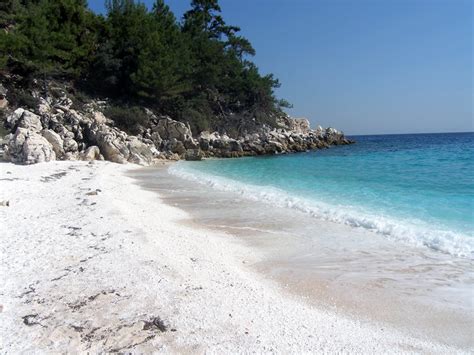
[{"x": 363, "y": 66}]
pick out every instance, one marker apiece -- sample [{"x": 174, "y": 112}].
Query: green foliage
[
  {"x": 53, "y": 37},
  {"x": 127, "y": 118},
  {"x": 79, "y": 98},
  {"x": 22, "y": 98},
  {"x": 197, "y": 70},
  {"x": 163, "y": 63}
]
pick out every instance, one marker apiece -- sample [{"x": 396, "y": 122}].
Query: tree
[
  {"x": 164, "y": 59},
  {"x": 49, "y": 36},
  {"x": 198, "y": 70}
]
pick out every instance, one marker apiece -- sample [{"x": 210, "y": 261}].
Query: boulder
[
  {"x": 73, "y": 118},
  {"x": 332, "y": 131},
  {"x": 14, "y": 117},
  {"x": 30, "y": 121},
  {"x": 113, "y": 148},
  {"x": 168, "y": 129},
  {"x": 334, "y": 137},
  {"x": 28, "y": 147},
  {"x": 256, "y": 147},
  {"x": 3, "y": 97},
  {"x": 273, "y": 147},
  {"x": 116, "y": 146},
  {"x": 99, "y": 117},
  {"x": 140, "y": 153},
  {"x": 44, "y": 107},
  {"x": 71, "y": 156},
  {"x": 295, "y": 125},
  {"x": 204, "y": 144},
  {"x": 91, "y": 153},
  {"x": 63, "y": 102},
  {"x": 70, "y": 145},
  {"x": 173, "y": 156},
  {"x": 55, "y": 140},
  {"x": 220, "y": 143},
  {"x": 190, "y": 143},
  {"x": 193, "y": 154},
  {"x": 36, "y": 149},
  {"x": 156, "y": 139},
  {"x": 300, "y": 125},
  {"x": 205, "y": 135},
  {"x": 235, "y": 146},
  {"x": 176, "y": 146}
]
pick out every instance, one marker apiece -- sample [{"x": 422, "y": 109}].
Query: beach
[{"x": 92, "y": 261}]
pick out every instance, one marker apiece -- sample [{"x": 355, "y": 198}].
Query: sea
[
  {"x": 416, "y": 189},
  {"x": 381, "y": 230}
]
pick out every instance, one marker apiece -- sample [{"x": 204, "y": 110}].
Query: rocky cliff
[{"x": 57, "y": 128}]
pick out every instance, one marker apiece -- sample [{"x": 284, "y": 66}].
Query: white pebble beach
[{"x": 91, "y": 262}]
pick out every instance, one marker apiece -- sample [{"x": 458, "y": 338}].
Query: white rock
[
  {"x": 206, "y": 135},
  {"x": 55, "y": 140},
  {"x": 13, "y": 118},
  {"x": 331, "y": 130},
  {"x": 70, "y": 145},
  {"x": 168, "y": 129},
  {"x": 91, "y": 153},
  {"x": 300, "y": 125},
  {"x": 30, "y": 121},
  {"x": 44, "y": 107},
  {"x": 99, "y": 117},
  {"x": 28, "y": 147}
]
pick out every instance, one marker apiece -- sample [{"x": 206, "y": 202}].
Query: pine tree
[
  {"x": 163, "y": 62},
  {"x": 50, "y": 36},
  {"x": 198, "y": 71}
]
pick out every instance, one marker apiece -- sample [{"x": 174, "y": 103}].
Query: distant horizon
[
  {"x": 405, "y": 134},
  {"x": 391, "y": 66}
]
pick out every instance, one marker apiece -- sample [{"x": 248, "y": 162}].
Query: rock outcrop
[
  {"x": 56, "y": 130},
  {"x": 27, "y": 145},
  {"x": 292, "y": 135},
  {"x": 3, "y": 97}
]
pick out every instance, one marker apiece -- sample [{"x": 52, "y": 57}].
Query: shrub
[
  {"x": 199, "y": 121},
  {"x": 79, "y": 99},
  {"x": 22, "y": 98},
  {"x": 129, "y": 119}
]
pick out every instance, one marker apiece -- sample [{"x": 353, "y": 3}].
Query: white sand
[{"x": 91, "y": 269}]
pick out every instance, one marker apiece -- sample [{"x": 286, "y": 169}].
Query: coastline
[
  {"x": 348, "y": 270},
  {"x": 92, "y": 260}
]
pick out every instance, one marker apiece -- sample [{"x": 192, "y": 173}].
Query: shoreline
[
  {"x": 332, "y": 266},
  {"x": 94, "y": 262}
]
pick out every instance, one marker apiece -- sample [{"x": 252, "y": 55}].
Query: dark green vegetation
[{"x": 196, "y": 70}]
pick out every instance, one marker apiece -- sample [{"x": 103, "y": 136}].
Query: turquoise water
[{"x": 417, "y": 189}]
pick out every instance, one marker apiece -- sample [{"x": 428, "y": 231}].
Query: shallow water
[
  {"x": 414, "y": 189},
  {"x": 340, "y": 267}
]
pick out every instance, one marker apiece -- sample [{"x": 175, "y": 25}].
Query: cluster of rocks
[
  {"x": 57, "y": 131},
  {"x": 60, "y": 132},
  {"x": 293, "y": 135}
]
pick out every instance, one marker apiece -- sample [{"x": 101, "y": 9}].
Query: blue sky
[{"x": 363, "y": 66}]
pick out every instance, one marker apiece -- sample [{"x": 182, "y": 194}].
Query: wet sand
[{"x": 350, "y": 271}]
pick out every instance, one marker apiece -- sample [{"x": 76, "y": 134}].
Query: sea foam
[{"x": 413, "y": 232}]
